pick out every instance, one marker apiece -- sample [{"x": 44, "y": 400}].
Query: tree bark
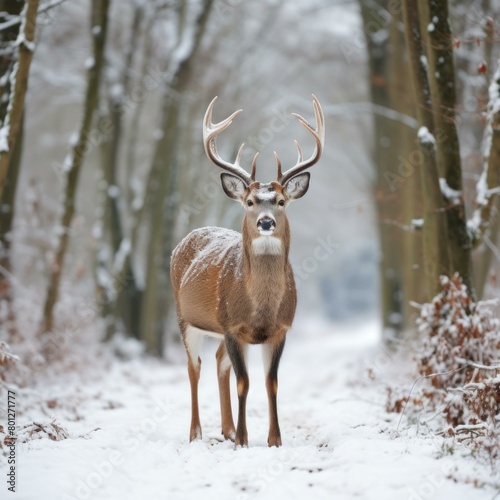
[
  {"x": 435, "y": 229},
  {"x": 387, "y": 195},
  {"x": 75, "y": 158},
  {"x": 7, "y": 204},
  {"x": 113, "y": 222},
  {"x": 410, "y": 192},
  {"x": 439, "y": 39},
  {"x": 14, "y": 67},
  {"x": 19, "y": 79},
  {"x": 8, "y": 61}
]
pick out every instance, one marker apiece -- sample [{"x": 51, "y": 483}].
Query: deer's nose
[{"x": 266, "y": 225}]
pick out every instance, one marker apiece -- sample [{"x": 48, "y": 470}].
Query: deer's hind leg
[
  {"x": 223, "y": 373},
  {"x": 192, "y": 341}
]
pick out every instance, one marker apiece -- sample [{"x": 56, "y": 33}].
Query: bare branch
[
  {"x": 15, "y": 20},
  {"x": 477, "y": 365}
]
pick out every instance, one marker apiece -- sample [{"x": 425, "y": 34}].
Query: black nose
[{"x": 266, "y": 224}]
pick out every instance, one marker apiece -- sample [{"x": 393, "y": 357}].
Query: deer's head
[{"x": 264, "y": 203}]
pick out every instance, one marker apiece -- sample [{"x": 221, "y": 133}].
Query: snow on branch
[
  {"x": 449, "y": 193},
  {"x": 347, "y": 108},
  {"x": 479, "y": 366},
  {"x": 425, "y": 137},
  {"x": 15, "y": 20},
  {"x": 488, "y": 185}
]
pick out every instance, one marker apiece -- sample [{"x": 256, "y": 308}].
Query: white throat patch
[{"x": 267, "y": 245}]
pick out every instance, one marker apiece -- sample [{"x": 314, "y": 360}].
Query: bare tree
[
  {"x": 394, "y": 194},
  {"x": 157, "y": 298},
  {"x": 139, "y": 310},
  {"x": 74, "y": 161},
  {"x": 17, "y": 41},
  {"x": 113, "y": 243}
]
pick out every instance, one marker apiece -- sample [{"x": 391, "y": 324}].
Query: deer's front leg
[
  {"x": 237, "y": 354},
  {"x": 194, "y": 368},
  {"x": 272, "y": 355},
  {"x": 192, "y": 341}
]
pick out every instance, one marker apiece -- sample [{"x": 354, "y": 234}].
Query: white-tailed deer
[{"x": 239, "y": 288}]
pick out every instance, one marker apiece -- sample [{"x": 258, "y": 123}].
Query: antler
[
  {"x": 210, "y": 133},
  {"x": 319, "y": 136}
]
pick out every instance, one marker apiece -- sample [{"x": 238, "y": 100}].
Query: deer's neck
[
  {"x": 265, "y": 267},
  {"x": 266, "y": 257}
]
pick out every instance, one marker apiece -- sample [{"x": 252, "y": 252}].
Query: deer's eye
[
  {"x": 250, "y": 203},
  {"x": 281, "y": 203}
]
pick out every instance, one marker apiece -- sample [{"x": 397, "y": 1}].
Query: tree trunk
[
  {"x": 6, "y": 220},
  {"x": 436, "y": 255},
  {"x": 434, "y": 23},
  {"x": 410, "y": 193},
  {"x": 75, "y": 158},
  {"x": 8, "y": 205},
  {"x": 387, "y": 194},
  {"x": 485, "y": 221},
  {"x": 155, "y": 304},
  {"x": 113, "y": 233},
  {"x": 12, "y": 70},
  {"x": 19, "y": 80}
]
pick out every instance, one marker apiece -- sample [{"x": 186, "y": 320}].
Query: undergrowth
[{"x": 458, "y": 360}]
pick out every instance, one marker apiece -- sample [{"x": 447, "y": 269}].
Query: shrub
[{"x": 459, "y": 358}]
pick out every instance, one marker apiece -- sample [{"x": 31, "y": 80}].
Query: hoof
[
  {"x": 241, "y": 442},
  {"x": 230, "y": 434},
  {"x": 195, "y": 434},
  {"x": 274, "y": 441}
]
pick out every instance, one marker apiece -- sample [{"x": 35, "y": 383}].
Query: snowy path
[{"x": 338, "y": 442}]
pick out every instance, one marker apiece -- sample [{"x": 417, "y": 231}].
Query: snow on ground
[{"x": 129, "y": 429}]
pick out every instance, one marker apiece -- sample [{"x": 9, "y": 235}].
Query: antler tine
[
  {"x": 210, "y": 133},
  {"x": 254, "y": 166},
  {"x": 238, "y": 156},
  {"x": 278, "y": 163},
  {"x": 299, "y": 151},
  {"x": 319, "y": 136}
]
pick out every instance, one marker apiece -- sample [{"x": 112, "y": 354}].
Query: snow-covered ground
[{"x": 128, "y": 428}]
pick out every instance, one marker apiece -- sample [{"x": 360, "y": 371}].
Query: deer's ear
[
  {"x": 297, "y": 186},
  {"x": 233, "y": 186}
]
